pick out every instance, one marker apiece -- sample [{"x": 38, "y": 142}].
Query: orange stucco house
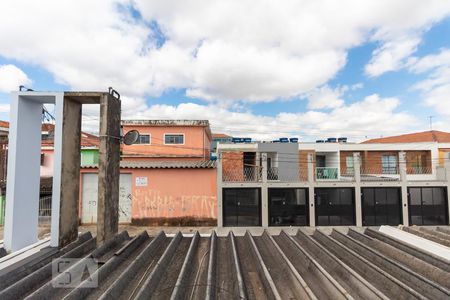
[{"x": 167, "y": 177}]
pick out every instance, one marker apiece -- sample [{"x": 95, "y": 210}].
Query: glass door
[{"x": 241, "y": 207}]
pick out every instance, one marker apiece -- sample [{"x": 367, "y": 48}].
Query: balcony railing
[
  {"x": 326, "y": 173},
  {"x": 419, "y": 170},
  {"x": 272, "y": 173},
  {"x": 379, "y": 173},
  {"x": 247, "y": 174},
  {"x": 251, "y": 173},
  {"x": 286, "y": 175}
]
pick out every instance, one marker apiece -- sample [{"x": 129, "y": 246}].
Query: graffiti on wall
[{"x": 154, "y": 204}]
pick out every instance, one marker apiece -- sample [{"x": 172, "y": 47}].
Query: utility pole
[{"x": 431, "y": 122}]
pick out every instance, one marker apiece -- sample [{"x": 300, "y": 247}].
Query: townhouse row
[
  {"x": 332, "y": 184},
  {"x": 179, "y": 173}
]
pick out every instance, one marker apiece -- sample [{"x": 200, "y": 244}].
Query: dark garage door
[
  {"x": 242, "y": 207},
  {"x": 288, "y": 206},
  {"x": 427, "y": 206},
  {"x": 335, "y": 206},
  {"x": 381, "y": 206}
]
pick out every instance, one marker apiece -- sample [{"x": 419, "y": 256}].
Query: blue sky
[{"x": 264, "y": 71}]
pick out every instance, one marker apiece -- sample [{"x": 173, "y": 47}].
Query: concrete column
[
  {"x": 109, "y": 169},
  {"x": 404, "y": 186},
  {"x": 70, "y": 172},
  {"x": 219, "y": 191},
  {"x": 402, "y": 165},
  {"x": 357, "y": 174},
  {"x": 264, "y": 192},
  {"x": 311, "y": 182},
  {"x": 22, "y": 189},
  {"x": 447, "y": 180}
]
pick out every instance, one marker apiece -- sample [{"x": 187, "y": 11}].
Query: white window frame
[
  {"x": 149, "y": 140},
  {"x": 391, "y": 169},
  {"x": 184, "y": 138}
]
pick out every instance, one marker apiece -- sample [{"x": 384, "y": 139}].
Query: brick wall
[
  {"x": 343, "y": 160},
  {"x": 233, "y": 164},
  {"x": 303, "y": 163},
  {"x": 421, "y": 159},
  {"x": 371, "y": 160}
]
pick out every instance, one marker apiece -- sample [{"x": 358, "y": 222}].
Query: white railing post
[
  {"x": 402, "y": 165},
  {"x": 310, "y": 167},
  {"x": 447, "y": 180},
  {"x": 264, "y": 167},
  {"x": 404, "y": 186},
  {"x": 357, "y": 174},
  {"x": 219, "y": 190},
  {"x": 311, "y": 182},
  {"x": 264, "y": 192}
]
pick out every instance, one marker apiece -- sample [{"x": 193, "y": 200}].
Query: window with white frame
[
  {"x": 144, "y": 139},
  {"x": 174, "y": 139},
  {"x": 389, "y": 164}
]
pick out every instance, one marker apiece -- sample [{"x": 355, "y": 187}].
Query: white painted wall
[
  {"x": 24, "y": 160},
  {"x": 89, "y": 198}
]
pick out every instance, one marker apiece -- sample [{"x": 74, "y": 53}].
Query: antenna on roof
[{"x": 431, "y": 122}]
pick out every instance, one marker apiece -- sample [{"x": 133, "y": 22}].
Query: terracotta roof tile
[
  {"x": 418, "y": 137},
  {"x": 87, "y": 140},
  {"x": 207, "y": 164},
  {"x": 220, "y": 135}
]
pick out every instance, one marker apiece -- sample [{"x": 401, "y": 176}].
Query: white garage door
[{"x": 89, "y": 196}]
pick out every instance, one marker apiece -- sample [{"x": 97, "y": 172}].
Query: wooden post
[
  {"x": 70, "y": 172},
  {"x": 109, "y": 169}
]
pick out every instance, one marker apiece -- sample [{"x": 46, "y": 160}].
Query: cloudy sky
[{"x": 263, "y": 69}]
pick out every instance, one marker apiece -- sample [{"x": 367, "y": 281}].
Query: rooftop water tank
[
  {"x": 247, "y": 140},
  {"x": 342, "y": 140},
  {"x": 331, "y": 140},
  {"x": 237, "y": 140},
  {"x": 284, "y": 140},
  {"x": 293, "y": 140}
]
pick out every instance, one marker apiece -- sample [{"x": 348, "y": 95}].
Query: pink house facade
[{"x": 167, "y": 178}]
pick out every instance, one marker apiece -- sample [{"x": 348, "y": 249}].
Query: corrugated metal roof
[
  {"x": 208, "y": 164},
  {"x": 316, "y": 264}
]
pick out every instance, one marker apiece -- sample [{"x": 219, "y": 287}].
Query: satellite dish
[{"x": 131, "y": 137}]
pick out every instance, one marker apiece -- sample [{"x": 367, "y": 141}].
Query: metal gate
[
  {"x": 427, "y": 206},
  {"x": 89, "y": 198},
  {"x": 241, "y": 207},
  {"x": 381, "y": 206},
  {"x": 335, "y": 206},
  {"x": 288, "y": 207}
]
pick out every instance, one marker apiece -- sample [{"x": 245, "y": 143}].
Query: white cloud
[
  {"x": 325, "y": 97},
  {"x": 4, "y": 108},
  {"x": 11, "y": 77},
  {"x": 391, "y": 56},
  {"x": 435, "y": 87},
  {"x": 356, "y": 121},
  {"x": 431, "y": 61},
  {"x": 217, "y": 50}
]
